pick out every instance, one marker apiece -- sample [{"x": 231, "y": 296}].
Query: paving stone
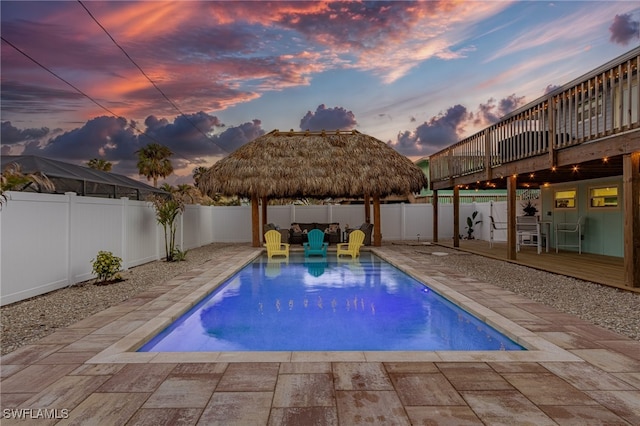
[
  {"x": 35, "y": 378},
  {"x": 518, "y": 367},
  {"x": 411, "y": 367},
  {"x": 7, "y": 370},
  {"x": 237, "y": 409},
  {"x": 29, "y": 354},
  {"x": 568, "y": 340},
  {"x": 65, "y": 393},
  {"x": 165, "y": 417},
  {"x": 97, "y": 369},
  {"x": 304, "y": 390},
  {"x": 183, "y": 392},
  {"x": 627, "y": 347},
  {"x": 608, "y": 360},
  {"x": 305, "y": 367},
  {"x": 370, "y": 407},
  {"x": 67, "y": 358},
  {"x": 105, "y": 409},
  {"x": 580, "y": 415},
  {"x": 547, "y": 389},
  {"x": 506, "y": 408},
  {"x": 137, "y": 378},
  {"x": 209, "y": 368},
  {"x": 586, "y": 377},
  {"x": 65, "y": 336},
  {"x": 632, "y": 378},
  {"x": 625, "y": 404},
  {"x": 360, "y": 376},
  {"x": 121, "y": 327},
  {"x": 425, "y": 389},
  {"x": 307, "y": 416},
  {"x": 443, "y": 415},
  {"x": 91, "y": 342},
  {"x": 14, "y": 400},
  {"x": 473, "y": 376},
  {"x": 95, "y": 321},
  {"x": 249, "y": 376}
]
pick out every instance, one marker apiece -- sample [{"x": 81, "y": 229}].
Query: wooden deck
[{"x": 605, "y": 270}]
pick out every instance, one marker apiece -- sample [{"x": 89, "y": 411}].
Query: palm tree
[
  {"x": 100, "y": 164},
  {"x": 197, "y": 173},
  {"x": 188, "y": 193},
  {"x": 12, "y": 179},
  {"x": 167, "y": 188},
  {"x": 153, "y": 162}
]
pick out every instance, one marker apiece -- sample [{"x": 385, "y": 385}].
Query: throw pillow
[
  {"x": 333, "y": 228},
  {"x": 296, "y": 228}
]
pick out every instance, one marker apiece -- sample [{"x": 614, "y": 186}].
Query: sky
[{"x": 102, "y": 79}]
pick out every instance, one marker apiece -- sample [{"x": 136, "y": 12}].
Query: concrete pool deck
[{"x": 573, "y": 373}]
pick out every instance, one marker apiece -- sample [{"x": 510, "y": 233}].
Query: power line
[
  {"x": 58, "y": 77},
  {"x": 148, "y": 78},
  {"x": 83, "y": 93}
]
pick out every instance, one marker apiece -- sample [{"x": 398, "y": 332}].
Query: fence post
[
  {"x": 124, "y": 243},
  {"x": 182, "y": 231},
  {"x": 199, "y": 221},
  {"x": 403, "y": 221},
  {"x": 71, "y": 206}
]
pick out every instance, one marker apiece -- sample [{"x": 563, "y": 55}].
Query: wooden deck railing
[{"x": 602, "y": 103}]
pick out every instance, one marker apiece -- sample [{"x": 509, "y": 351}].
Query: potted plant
[
  {"x": 529, "y": 209},
  {"x": 471, "y": 222}
]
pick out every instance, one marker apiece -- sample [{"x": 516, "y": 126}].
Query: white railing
[
  {"x": 48, "y": 241},
  {"x": 590, "y": 109}
]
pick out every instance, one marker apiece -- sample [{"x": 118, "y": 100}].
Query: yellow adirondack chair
[
  {"x": 352, "y": 248},
  {"x": 274, "y": 245}
]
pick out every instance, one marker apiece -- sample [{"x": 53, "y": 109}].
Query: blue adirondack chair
[{"x": 315, "y": 244}]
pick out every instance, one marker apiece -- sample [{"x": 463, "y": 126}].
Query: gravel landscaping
[{"x": 29, "y": 320}]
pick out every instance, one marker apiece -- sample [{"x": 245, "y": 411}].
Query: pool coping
[{"x": 182, "y": 294}]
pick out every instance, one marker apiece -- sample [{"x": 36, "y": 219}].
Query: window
[
  {"x": 565, "y": 199},
  {"x": 603, "y": 197}
]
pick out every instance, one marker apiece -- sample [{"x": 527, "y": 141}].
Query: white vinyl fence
[{"x": 48, "y": 241}]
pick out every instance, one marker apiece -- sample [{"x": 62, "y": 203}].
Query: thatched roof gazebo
[{"x": 313, "y": 164}]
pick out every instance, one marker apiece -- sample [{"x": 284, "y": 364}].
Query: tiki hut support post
[
  {"x": 264, "y": 201},
  {"x": 255, "y": 221},
  {"x": 367, "y": 209},
  {"x": 377, "y": 235}
]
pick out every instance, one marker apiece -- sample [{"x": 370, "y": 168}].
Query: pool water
[{"x": 316, "y": 304}]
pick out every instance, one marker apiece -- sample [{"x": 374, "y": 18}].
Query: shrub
[
  {"x": 167, "y": 211},
  {"x": 106, "y": 266},
  {"x": 471, "y": 222},
  {"x": 179, "y": 255}
]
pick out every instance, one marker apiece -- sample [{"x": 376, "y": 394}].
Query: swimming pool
[{"x": 316, "y": 304}]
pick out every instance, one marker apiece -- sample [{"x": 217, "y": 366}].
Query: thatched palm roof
[{"x": 313, "y": 164}]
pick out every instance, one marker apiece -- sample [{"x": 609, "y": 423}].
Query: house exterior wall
[{"x": 603, "y": 232}]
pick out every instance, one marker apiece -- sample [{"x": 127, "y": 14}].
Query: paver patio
[{"x": 575, "y": 373}]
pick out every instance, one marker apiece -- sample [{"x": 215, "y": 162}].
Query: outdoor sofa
[
  {"x": 298, "y": 232},
  {"x": 367, "y": 228}
]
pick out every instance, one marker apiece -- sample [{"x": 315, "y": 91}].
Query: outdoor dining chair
[
  {"x": 528, "y": 232},
  {"x": 566, "y": 228},
  {"x": 495, "y": 226}
]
